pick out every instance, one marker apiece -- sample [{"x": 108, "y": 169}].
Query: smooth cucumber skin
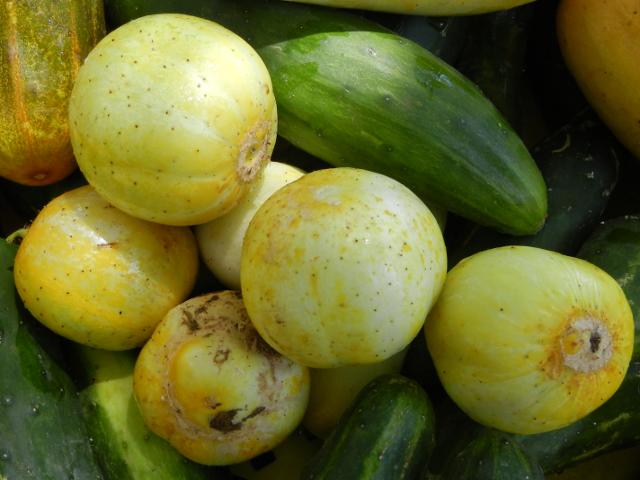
[
  {"x": 579, "y": 164},
  {"x": 491, "y": 455},
  {"x": 387, "y": 433},
  {"x": 126, "y": 449},
  {"x": 615, "y": 247},
  {"x": 614, "y": 425},
  {"x": 494, "y": 58},
  {"x": 354, "y": 94},
  {"x": 43, "y": 435}
]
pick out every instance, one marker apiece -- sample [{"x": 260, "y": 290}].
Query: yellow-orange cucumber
[{"x": 42, "y": 45}]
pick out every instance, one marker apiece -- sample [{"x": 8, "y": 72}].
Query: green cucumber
[
  {"x": 42, "y": 434},
  {"x": 615, "y": 247},
  {"x": 580, "y": 166},
  {"x": 613, "y": 426},
  {"x": 388, "y": 432},
  {"x": 125, "y": 447},
  {"x": 491, "y": 455},
  {"x": 355, "y": 94},
  {"x": 494, "y": 58}
]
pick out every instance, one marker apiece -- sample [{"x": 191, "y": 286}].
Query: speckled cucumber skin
[
  {"x": 100, "y": 277},
  {"x": 354, "y": 94},
  {"x": 341, "y": 267},
  {"x": 44, "y": 42},
  {"x": 172, "y": 117}
]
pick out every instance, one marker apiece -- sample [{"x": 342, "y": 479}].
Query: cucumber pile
[{"x": 305, "y": 239}]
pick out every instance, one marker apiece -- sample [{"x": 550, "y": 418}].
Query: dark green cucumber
[
  {"x": 614, "y": 425},
  {"x": 42, "y": 434},
  {"x": 615, "y": 247},
  {"x": 387, "y": 433},
  {"x": 580, "y": 166},
  {"x": 491, "y": 455},
  {"x": 442, "y": 36},
  {"x": 555, "y": 90},
  {"x": 355, "y": 94},
  {"x": 494, "y": 58},
  {"x": 125, "y": 447}
]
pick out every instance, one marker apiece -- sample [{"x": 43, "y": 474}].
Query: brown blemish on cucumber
[
  {"x": 223, "y": 421},
  {"x": 190, "y": 321},
  {"x": 254, "y": 151}
]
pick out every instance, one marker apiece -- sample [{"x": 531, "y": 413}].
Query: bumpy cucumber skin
[
  {"x": 43, "y": 434},
  {"x": 388, "y": 432},
  {"x": 354, "y": 94}
]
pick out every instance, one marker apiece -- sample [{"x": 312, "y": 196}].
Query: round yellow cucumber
[
  {"x": 208, "y": 383},
  {"x": 220, "y": 240},
  {"x": 341, "y": 267},
  {"x": 528, "y": 340},
  {"x": 100, "y": 277},
  {"x": 172, "y": 117}
]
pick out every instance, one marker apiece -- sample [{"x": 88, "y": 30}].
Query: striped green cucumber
[
  {"x": 491, "y": 455},
  {"x": 613, "y": 426},
  {"x": 580, "y": 166},
  {"x": 354, "y": 94},
  {"x": 615, "y": 247},
  {"x": 124, "y": 446},
  {"x": 43, "y": 435},
  {"x": 388, "y": 432}
]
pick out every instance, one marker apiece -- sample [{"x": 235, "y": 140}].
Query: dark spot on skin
[
  {"x": 594, "y": 341},
  {"x": 189, "y": 321},
  {"x": 223, "y": 421},
  {"x": 221, "y": 356}
]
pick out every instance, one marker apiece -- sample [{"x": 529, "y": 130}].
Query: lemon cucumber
[{"x": 355, "y": 94}]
